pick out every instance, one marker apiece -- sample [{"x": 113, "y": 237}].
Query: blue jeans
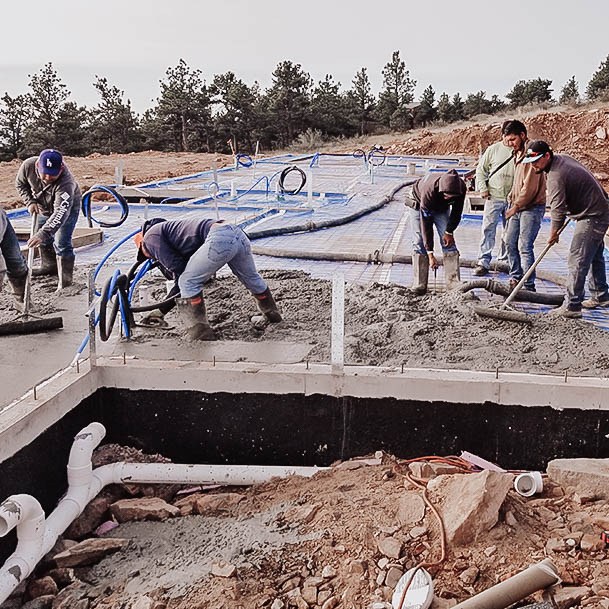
[
  {"x": 63, "y": 237},
  {"x": 586, "y": 254},
  {"x": 440, "y": 221},
  {"x": 494, "y": 212},
  {"x": 9, "y": 248},
  {"x": 225, "y": 244},
  {"x": 520, "y": 235}
]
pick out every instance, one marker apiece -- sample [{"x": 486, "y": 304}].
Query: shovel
[
  {"x": 505, "y": 311},
  {"x": 27, "y": 323}
]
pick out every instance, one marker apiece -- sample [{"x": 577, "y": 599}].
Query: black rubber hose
[
  {"x": 120, "y": 291},
  {"x": 284, "y": 174},
  {"x": 86, "y": 206},
  {"x": 502, "y": 289}
]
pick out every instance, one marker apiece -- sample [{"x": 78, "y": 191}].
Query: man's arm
[
  {"x": 456, "y": 211},
  {"x": 482, "y": 171},
  {"x": 63, "y": 200},
  {"x": 533, "y": 184},
  {"x": 23, "y": 187},
  {"x": 557, "y": 200}
]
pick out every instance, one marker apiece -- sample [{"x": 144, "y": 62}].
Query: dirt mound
[{"x": 583, "y": 134}]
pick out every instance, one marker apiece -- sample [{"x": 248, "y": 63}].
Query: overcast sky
[{"x": 463, "y": 46}]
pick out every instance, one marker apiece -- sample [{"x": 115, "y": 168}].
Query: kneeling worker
[{"x": 191, "y": 251}]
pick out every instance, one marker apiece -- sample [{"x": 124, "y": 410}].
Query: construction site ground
[{"x": 273, "y": 548}]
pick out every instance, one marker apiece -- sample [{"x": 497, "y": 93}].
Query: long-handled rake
[{"x": 505, "y": 311}]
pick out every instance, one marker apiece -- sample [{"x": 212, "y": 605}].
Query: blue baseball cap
[{"x": 50, "y": 162}]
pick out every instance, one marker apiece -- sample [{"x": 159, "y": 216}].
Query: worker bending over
[{"x": 191, "y": 251}]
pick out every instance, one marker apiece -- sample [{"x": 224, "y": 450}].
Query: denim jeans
[
  {"x": 494, "y": 212},
  {"x": 225, "y": 244},
  {"x": 586, "y": 254},
  {"x": 440, "y": 221},
  {"x": 63, "y": 237},
  {"x": 522, "y": 230},
  {"x": 9, "y": 248}
]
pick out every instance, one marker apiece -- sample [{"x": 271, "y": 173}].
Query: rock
[
  {"x": 566, "y": 597},
  {"x": 92, "y": 516},
  {"x": 383, "y": 562},
  {"x": 222, "y": 568},
  {"x": 490, "y": 551},
  {"x": 510, "y": 519},
  {"x": 417, "y": 532},
  {"x": 40, "y": 602},
  {"x": 143, "y": 508},
  {"x": 45, "y": 586},
  {"x": 601, "y": 133},
  {"x": 331, "y": 602},
  {"x": 278, "y": 604},
  {"x": 218, "y": 502},
  {"x": 291, "y": 583},
  {"x": 556, "y": 545},
  {"x": 313, "y": 582},
  {"x": 72, "y": 597},
  {"x": 393, "y": 577},
  {"x": 390, "y": 547},
  {"x": 420, "y": 469},
  {"x": 591, "y": 543},
  {"x": 328, "y": 572},
  {"x": 588, "y": 477},
  {"x": 302, "y": 514},
  {"x": 143, "y": 602},
  {"x": 63, "y": 577},
  {"x": 309, "y": 593},
  {"x": 411, "y": 509},
  {"x": 89, "y": 552},
  {"x": 471, "y": 503},
  {"x": 469, "y": 576},
  {"x": 358, "y": 567}
]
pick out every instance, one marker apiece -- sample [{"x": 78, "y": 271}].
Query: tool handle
[
  {"x": 30, "y": 263},
  {"x": 530, "y": 270}
]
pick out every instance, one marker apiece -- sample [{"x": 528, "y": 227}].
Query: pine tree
[
  {"x": 15, "y": 113},
  {"x": 426, "y": 112},
  {"x": 569, "y": 94},
  {"x": 362, "y": 100},
  {"x": 445, "y": 109},
  {"x": 398, "y": 92},
  {"x": 599, "y": 83}
]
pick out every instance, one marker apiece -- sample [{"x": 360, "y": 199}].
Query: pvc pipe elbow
[
  {"x": 20, "y": 510},
  {"x": 85, "y": 442}
]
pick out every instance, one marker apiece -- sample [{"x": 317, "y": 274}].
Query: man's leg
[
  {"x": 493, "y": 214},
  {"x": 587, "y": 238},
  {"x": 530, "y": 223},
  {"x": 420, "y": 261},
  {"x": 450, "y": 255},
  {"x": 9, "y": 246},
  {"x": 512, "y": 236},
  {"x": 219, "y": 247}
]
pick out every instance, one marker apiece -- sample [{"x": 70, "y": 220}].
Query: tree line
[{"x": 192, "y": 115}]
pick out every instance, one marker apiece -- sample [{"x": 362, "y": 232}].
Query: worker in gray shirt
[
  {"x": 573, "y": 192},
  {"x": 48, "y": 189}
]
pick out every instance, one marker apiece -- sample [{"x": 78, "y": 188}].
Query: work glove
[
  {"x": 33, "y": 208},
  {"x": 154, "y": 319}
]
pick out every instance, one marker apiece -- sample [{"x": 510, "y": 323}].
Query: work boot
[
  {"x": 48, "y": 262},
  {"x": 595, "y": 303},
  {"x": 65, "y": 271},
  {"x": 266, "y": 304},
  {"x": 18, "y": 285},
  {"x": 191, "y": 312},
  {"x": 420, "y": 272},
  {"x": 565, "y": 311},
  {"x": 452, "y": 273},
  {"x": 480, "y": 270}
]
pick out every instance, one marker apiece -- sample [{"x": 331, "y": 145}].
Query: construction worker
[
  {"x": 190, "y": 251},
  {"x": 527, "y": 206},
  {"x": 12, "y": 262},
  {"x": 48, "y": 189},
  {"x": 435, "y": 200},
  {"x": 573, "y": 192},
  {"x": 494, "y": 178}
]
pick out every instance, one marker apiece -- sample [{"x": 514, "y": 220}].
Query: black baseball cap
[{"x": 535, "y": 151}]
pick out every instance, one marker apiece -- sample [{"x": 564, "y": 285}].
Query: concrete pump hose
[
  {"x": 502, "y": 289},
  {"x": 534, "y": 578}
]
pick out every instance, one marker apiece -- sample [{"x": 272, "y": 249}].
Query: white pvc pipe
[{"x": 36, "y": 536}]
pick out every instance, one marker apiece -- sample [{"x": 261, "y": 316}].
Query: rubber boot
[
  {"x": 18, "y": 285},
  {"x": 452, "y": 272},
  {"x": 65, "y": 271},
  {"x": 48, "y": 262},
  {"x": 267, "y": 305},
  {"x": 191, "y": 312},
  {"x": 420, "y": 269}
]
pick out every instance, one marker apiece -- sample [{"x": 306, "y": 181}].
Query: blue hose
[
  {"x": 245, "y": 160},
  {"x": 86, "y": 206}
]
